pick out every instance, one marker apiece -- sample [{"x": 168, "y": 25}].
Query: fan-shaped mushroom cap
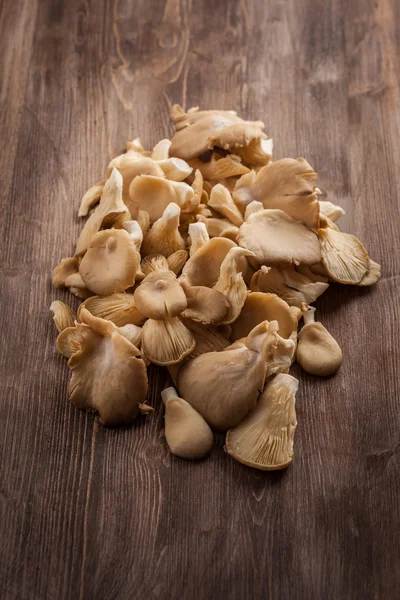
[
  {"x": 257, "y": 153},
  {"x": 131, "y": 164},
  {"x": 260, "y": 307},
  {"x": 188, "y": 435},
  {"x": 63, "y": 317},
  {"x": 108, "y": 374},
  {"x": 203, "y": 267},
  {"x": 224, "y": 386},
  {"x": 167, "y": 342},
  {"x": 318, "y": 352},
  {"x": 161, "y": 150},
  {"x": 110, "y": 263},
  {"x": 217, "y": 227},
  {"x": 221, "y": 201},
  {"x": 159, "y": 291},
  {"x": 175, "y": 169},
  {"x": 118, "y": 308},
  {"x": 231, "y": 284},
  {"x": 177, "y": 260},
  {"x": 67, "y": 267},
  {"x": 264, "y": 439},
  {"x": 164, "y": 237},
  {"x": 153, "y": 263},
  {"x": 285, "y": 184},
  {"x": 373, "y": 275},
  {"x": 205, "y": 305},
  {"x": 275, "y": 238},
  {"x": 343, "y": 256},
  {"x": 330, "y": 210},
  {"x": 219, "y": 167},
  {"x": 288, "y": 284},
  {"x": 198, "y": 236},
  {"x": 198, "y": 131},
  {"x": 67, "y": 342},
  {"x": 91, "y": 198},
  {"x": 153, "y": 194},
  {"x": 110, "y": 208}
]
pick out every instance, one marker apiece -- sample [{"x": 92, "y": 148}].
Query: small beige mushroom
[
  {"x": 67, "y": 267},
  {"x": 275, "y": 238},
  {"x": 188, "y": 435},
  {"x": 164, "y": 236},
  {"x": 257, "y": 153},
  {"x": 264, "y": 439},
  {"x": 91, "y": 198},
  {"x": 198, "y": 236},
  {"x": 219, "y": 167},
  {"x": 373, "y": 275},
  {"x": 330, "y": 210},
  {"x": 204, "y": 266},
  {"x": 110, "y": 208},
  {"x": 343, "y": 256},
  {"x": 205, "y": 305},
  {"x": 231, "y": 283},
  {"x": 285, "y": 184},
  {"x": 63, "y": 317},
  {"x": 168, "y": 341},
  {"x": 259, "y": 307},
  {"x": 153, "y": 194},
  {"x": 221, "y": 201},
  {"x": 159, "y": 291},
  {"x": 108, "y": 374},
  {"x": 131, "y": 164},
  {"x": 153, "y": 263},
  {"x": 317, "y": 350},
  {"x": 224, "y": 386},
  {"x": 118, "y": 308},
  {"x": 177, "y": 260}
]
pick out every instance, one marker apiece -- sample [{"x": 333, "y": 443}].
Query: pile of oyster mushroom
[{"x": 204, "y": 256}]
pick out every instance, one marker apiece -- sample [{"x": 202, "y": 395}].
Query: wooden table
[{"x": 88, "y": 512}]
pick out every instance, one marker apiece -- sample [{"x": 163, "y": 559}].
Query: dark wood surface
[{"x": 87, "y": 512}]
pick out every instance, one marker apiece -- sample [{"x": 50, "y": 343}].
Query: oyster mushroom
[
  {"x": 330, "y": 210},
  {"x": 275, "y": 238},
  {"x": 208, "y": 338},
  {"x": 218, "y": 227},
  {"x": 153, "y": 194},
  {"x": 91, "y": 198},
  {"x": 221, "y": 201},
  {"x": 287, "y": 185},
  {"x": 108, "y": 374},
  {"x": 188, "y": 435},
  {"x": 63, "y": 317},
  {"x": 260, "y": 307},
  {"x": 67, "y": 267},
  {"x": 224, "y": 386},
  {"x": 219, "y": 167},
  {"x": 343, "y": 256},
  {"x": 318, "y": 352},
  {"x": 205, "y": 305},
  {"x": 257, "y": 153},
  {"x": 153, "y": 263},
  {"x": 231, "y": 283},
  {"x": 164, "y": 236},
  {"x": 160, "y": 291},
  {"x": 198, "y": 236},
  {"x": 177, "y": 260},
  {"x": 110, "y": 208},
  {"x": 373, "y": 275},
  {"x": 264, "y": 439},
  {"x": 111, "y": 262},
  {"x": 118, "y": 308}
]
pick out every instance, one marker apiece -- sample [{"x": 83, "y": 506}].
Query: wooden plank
[{"x": 89, "y": 512}]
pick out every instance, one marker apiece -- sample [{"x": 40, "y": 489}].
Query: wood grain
[{"x": 87, "y": 512}]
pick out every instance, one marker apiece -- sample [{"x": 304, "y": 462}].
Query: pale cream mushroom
[
  {"x": 293, "y": 287},
  {"x": 276, "y": 238},
  {"x": 285, "y": 184},
  {"x": 373, "y": 275},
  {"x": 143, "y": 218},
  {"x": 219, "y": 167},
  {"x": 317, "y": 350},
  {"x": 204, "y": 266},
  {"x": 153, "y": 194},
  {"x": 161, "y": 150},
  {"x": 252, "y": 208},
  {"x": 164, "y": 236},
  {"x": 177, "y": 260},
  {"x": 224, "y": 386},
  {"x": 264, "y": 439},
  {"x": 205, "y": 305},
  {"x": 174, "y": 169},
  {"x": 218, "y": 227},
  {"x": 118, "y": 308},
  {"x": 110, "y": 208},
  {"x": 91, "y": 198},
  {"x": 221, "y": 201},
  {"x": 108, "y": 373},
  {"x": 110, "y": 263},
  {"x": 231, "y": 283},
  {"x": 137, "y": 146},
  {"x": 63, "y": 317},
  {"x": 330, "y": 210},
  {"x": 260, "y": 307},
  {"x": 158, "y": 292},
  {"x": 168, "y": 341},
  {"x": 131, "y": 164},
  {"x": 67, "y": 267},
  {"x": 198, "y": 236},
  {"x": 188, "y": 435},
  {"x": 343, "y": 256},
  {"x": 68, "y": 341}
]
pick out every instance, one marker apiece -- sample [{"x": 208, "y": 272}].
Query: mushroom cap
[
  {"x": 108, "y": 374},
  {"x": 167, "y": 342},
  {"x": 68, "y": 341},
  {"x": 204, "y": 266},
  {"x": 91, "y": 198},
  {"x": 318, "y": 352},
  {"x": 63, "y": 317},
  {"x": 221, "y": 201},
  {"x": 231, "y": 283},
  {"x": 259, "y": 307},
  {"x": 158, "y": 292},
  {"x": 132, "y": 164},
  {"x": 154, "y": 263},
  {"x": 208, "y": 338},
  {"x": 118, "y": 308},
  {"x": 264, "y": 439},
  {"x": 275, "y": 238},
  {"x": 286, "y": 184},
  {"x": 219, "y": 167},
  {"x": 205, "y": 305},
  {"x": 330, "y": 210},
  {"x": 153, "y": 194},
  {"x": 110, "y": 263},
  {"x": 373, "y": 275},
  {"x": 164, "y": 236},
  {"x": 257, "y": 153},
  {"x": 188, "y": 435},
  {"x": 343, "y": 256},
  {"x": 177, "y": 260},
  {"x": 66, "y": 267}
]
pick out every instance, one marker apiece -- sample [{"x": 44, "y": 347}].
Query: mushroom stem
[
  {"x": 168, "y": 394},
  {"x": 309, "y": 315},
  {"x": 198, "y": 235}
]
